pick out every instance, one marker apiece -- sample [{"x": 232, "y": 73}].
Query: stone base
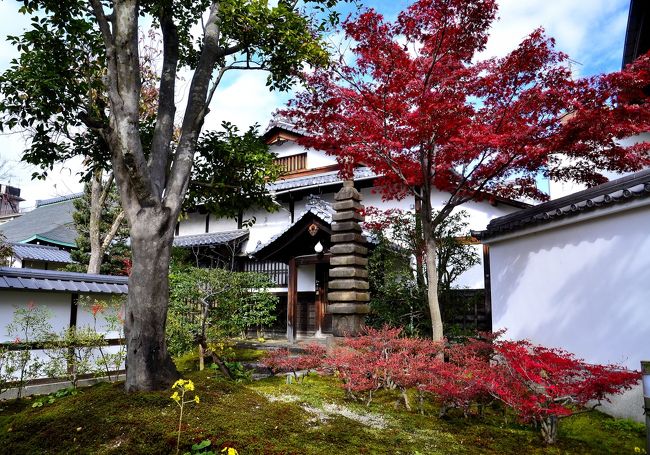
[{"x": 347, "y": 324}]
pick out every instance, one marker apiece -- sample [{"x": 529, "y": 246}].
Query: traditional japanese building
[{"x": 293, "y": 244}]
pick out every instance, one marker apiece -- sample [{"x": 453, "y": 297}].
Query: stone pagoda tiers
[{"x": 348, "y": 294}]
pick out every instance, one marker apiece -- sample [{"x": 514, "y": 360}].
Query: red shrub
[
  {"x": 282, "y": 361},
  {"x": 380, "y": 358},
  {"x": 543, "y": 384}
]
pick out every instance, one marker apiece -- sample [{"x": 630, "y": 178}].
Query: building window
[
  {"x": 292, "y": 163},
  {"x": 277, "y": 272}
]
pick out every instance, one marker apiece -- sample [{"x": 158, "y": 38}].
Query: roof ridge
[
  {"x": 31, "y": 245},
  {"x": 209, "y": 233},
  {"x": 55, "y": 200}
]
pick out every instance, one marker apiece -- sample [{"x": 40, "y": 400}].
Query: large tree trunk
[{"x": 148, "y": 364}]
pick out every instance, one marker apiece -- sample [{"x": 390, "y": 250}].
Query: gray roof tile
[
  {"x": 211, "y": 238},
  {"x": 619, "y": 191},
  {"x": 50, "y": 221},
  {"x": 50, "y": 280},
  {"x": 40, "y": 253},
  {"x": 326, "y": 178}
]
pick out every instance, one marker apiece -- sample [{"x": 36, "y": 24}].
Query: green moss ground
[{"x": 268, "y": 417}]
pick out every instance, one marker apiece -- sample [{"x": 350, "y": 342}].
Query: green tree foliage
[
  {"x": 231, "y": 172},
  {"x": 207, "y": 305},
  {"x": 398, "y": 298},
  {"x": 29, "y": 325},
  {"x": 117, "y": 252},
  {"x": 395, "y": 297},
  {"x": 5, "y": 251}
]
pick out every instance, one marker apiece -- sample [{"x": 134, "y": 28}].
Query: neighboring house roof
[
  {"x": 620, "y": 191},
  {"x": 211, "y": 238},
  {"x": 51, "y": 221},
  {"x": 55, "y": 200},
  {"x": 50, "y": 280},
  {"x": 280, "y": 123},
  {"x": 40, "y": 253}
]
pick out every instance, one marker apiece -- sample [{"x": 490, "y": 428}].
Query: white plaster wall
[
  {"x": 307, "y": 278},
  {"x": 222, "y": 224},
  {"x": 113, "y": 306},
  {"x": 193, "y": 223},
  {"x": 584, "y": 287},
  {"x": 559, "y": 189},
  {"x": 266, "y": 225},
  {"x": 58, "y": 305},
  {"x": 286, "y": 149},
  {"x": 480, "y": 213}
]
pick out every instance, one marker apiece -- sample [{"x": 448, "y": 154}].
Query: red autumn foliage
[
  {"x": 283, "y": 361},
  {"x": 382, "y": 359},
  {"x": 128, "y": 264},
  {"x": 540, "y": 384},
  {"x": 420, "y": 107},
  {"x": 537, "y": 381}
]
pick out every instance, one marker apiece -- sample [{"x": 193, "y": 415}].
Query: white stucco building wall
[{"x": 581, "y": 283}]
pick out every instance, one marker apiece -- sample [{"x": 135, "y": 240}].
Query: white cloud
[
  {"x": 243, "y": 101},
  {"x": 590, "y": 31}
]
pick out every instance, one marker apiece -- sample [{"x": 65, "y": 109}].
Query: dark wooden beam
[
  {"x": 292, "y": 300},
  {"x": 74, "y": 308},
  {"x": 323, "y": 258},
  {"x": 487, "y": 285}
]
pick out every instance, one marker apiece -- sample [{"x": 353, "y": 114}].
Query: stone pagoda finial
[{"x": 348, "y": 295}]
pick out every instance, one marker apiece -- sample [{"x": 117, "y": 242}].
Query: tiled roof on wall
[
  {"x": 620, "y": 191},
  {"x": 54, "y": 281}
]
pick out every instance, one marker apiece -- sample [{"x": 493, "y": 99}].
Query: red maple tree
[{"x": 419, "y": 108}]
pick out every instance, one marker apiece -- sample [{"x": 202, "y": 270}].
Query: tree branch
[
  {"x": 194, "y": 112},
  {"x": 112, "y": 232},
  {"x": 164, "y": 129}
]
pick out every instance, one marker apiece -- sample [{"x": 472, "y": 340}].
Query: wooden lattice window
[
  {"x": 277, "y": 272},
  {"x": 292, "y": 163}
]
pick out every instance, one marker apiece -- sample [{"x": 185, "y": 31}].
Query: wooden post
[
  {"x": 645, "y": 378},
  {"x": 292, "y": 300},
  {"x": 487, "y": 285}
]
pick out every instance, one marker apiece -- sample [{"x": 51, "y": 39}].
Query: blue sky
[{"x": 592, "y": 32}]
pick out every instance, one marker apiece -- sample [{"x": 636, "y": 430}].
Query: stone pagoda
[{"x": 348, "y": 294}]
